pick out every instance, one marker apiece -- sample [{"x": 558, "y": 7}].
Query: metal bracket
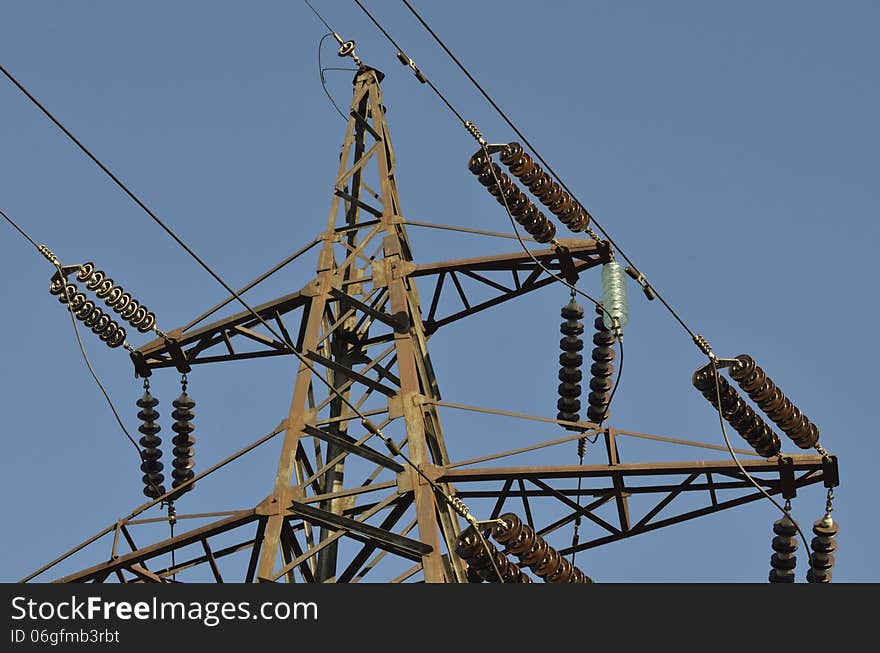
[
  {"x": 786, "y": 477},
  {"x": 830, "y": 473},
  {"x": 177, "y": 356},
  {"x": 720, "y": 363},
  {"x": 141, "y": 369},
  {"x": 566, "y": 264}
]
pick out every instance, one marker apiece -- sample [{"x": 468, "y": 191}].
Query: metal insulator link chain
[
  {"x": 829, "y": 502},
  {"x": 592, "y": 234}
]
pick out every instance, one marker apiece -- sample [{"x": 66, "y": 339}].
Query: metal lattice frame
[{"x": 339, "y": 506}]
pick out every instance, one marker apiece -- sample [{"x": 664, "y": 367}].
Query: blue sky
[{"x": 729, "y": 148}]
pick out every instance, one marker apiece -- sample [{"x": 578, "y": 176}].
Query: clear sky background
[{"x": 730, "y": 148}]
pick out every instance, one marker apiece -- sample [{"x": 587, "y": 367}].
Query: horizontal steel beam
[
  {"x": 801, "y": 462},
  {"x": 391, "y": 542},
  {"x": 128, "y": 560},
  {"x": 156, "y": 352},
  {"x": 583, "y": 249}
]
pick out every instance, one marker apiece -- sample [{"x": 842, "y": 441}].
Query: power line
[
  {"x": 467, "y": 125},
  {"x": 19, "y": 229},
  {"x": 42, "y": 249},
  {"x": 455, "y": 503},
  {"x": 176, "y": 238},
  {"x": 696, "y": 338},
  {"x": 321, "y": 18},
  {"x": 407, "y": 61},
  {"x": 324, "y": 81},
  {"x": 743, "y": 469},
  {"x": 537, "y": 154}
]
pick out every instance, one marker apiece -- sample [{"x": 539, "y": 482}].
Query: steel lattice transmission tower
[{"x": 341, "y": 505}]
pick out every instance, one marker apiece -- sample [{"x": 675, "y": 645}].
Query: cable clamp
[
  {"x": 474, "y": 131},
  {"x": 640, "y": 279},
  {"x": 49, "y": 255},
  {"x": 459, "y": 506},
  {"x": 704, "y": 346},
  {"x": 407, "y": 61}
]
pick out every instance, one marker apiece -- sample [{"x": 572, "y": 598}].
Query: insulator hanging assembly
[
  {"x": 116, "y": 298},
  {"x": 737, "y": 412},
  {"x": 472, "y": 548},
  {"x": 601, "y": 370},
  {"x": 783, "y": 560},
  {"x": 500, "y": 186},
  {"x": 522, "y": 541},
  {"x": 570, "y": 361},
  {"x": 85, "y": 310},
  {"x": 551, "y": 194},
  {"x": 184, "y": 442},
  {"x": 773, "y": 402},
  {"x": 151, "y": 453},
  {"x": 823, "y": 545},
  {"x": 616, "y": 313}
]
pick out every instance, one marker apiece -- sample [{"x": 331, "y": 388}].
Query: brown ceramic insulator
[
  {"x": 150, "y": 443},
  {"x": 534, "y": 552},
  {"x": 561, "y": 205},
  {"x": 523, "y": 543},
  {"x": 563, "y": 573},
  {"x": 502, "y": 188},
  {"x": 548, "y": 566},
  {"x": 773, "y": 402},
  {"x": 468, "y": 544},
  {"x": 823, "y": 546},
  {"x": 602, "y": 370},
  {"x": 737, "y": 412},
  {"x": 473, "y": 576},
  {"x": 570, "y": 361},
  {"x": 111, "y": 333},
  {"x": 183, "y": 441},
  {"x": 484, "y": 561},
  {"x": 116, "y": 298},
  {"x": 542, "y": 186},
  {"x": 509, "y": 530},
  {"x": 478, "y": 163},
  {"x": 783, "y": 560}
]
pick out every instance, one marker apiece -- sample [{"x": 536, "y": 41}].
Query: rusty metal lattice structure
[{"x": 340, "y": 504}]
